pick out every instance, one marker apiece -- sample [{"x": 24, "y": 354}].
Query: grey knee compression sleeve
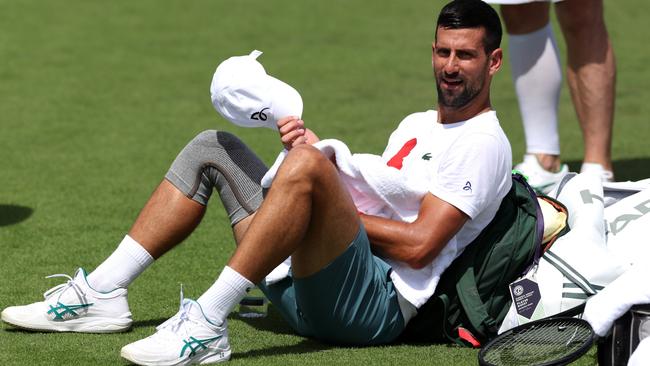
[{"x": 215, "y": 159}]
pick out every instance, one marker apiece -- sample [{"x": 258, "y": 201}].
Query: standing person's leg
[
  {"x": 591, "y": 76},
  {"x": 212, "y": 160},
  {"x": 308, "y": 215},
  {"x": 537, "y": 76}
]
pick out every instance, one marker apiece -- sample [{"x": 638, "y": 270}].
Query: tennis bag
[
  {"x": 584, "y": 260},
  {"x": 627, "y": 332},
  {"x": 472, "y": 297}
]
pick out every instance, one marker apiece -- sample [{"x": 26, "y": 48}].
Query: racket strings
[{"x": 540, "y": 343}]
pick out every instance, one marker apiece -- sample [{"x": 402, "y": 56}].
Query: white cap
[{"x": 243, "y": 93}]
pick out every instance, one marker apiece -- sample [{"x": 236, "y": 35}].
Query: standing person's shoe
[
  {"x": 539, "y": 178},
  {"x": 597, "y": 169},
  {"x": 187, "y": 338},
  {"x": 73, "y": 307}
]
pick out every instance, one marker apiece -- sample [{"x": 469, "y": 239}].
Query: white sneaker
[
  {"x": 597, "y": 169},
  {"x": 538, "y": 177},
  {"x": 187, "y": 338},
  {"x": 73, "y": 307}
]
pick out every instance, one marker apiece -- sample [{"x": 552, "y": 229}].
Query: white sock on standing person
[
  {"x": 222, "y": 297},
  {"x": 537, "y": 75},
  {"x": 122, "y": 267}
]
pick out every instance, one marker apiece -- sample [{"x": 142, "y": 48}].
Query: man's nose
[{"x": 451, "y": 66}]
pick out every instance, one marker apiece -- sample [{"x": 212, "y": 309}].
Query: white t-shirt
[{"x": 467, "y": 164}]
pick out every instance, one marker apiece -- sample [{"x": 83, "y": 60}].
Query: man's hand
[{"x": 293, "y": 132}]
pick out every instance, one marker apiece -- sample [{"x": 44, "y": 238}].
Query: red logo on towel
[{"x": 397, "y": 160}]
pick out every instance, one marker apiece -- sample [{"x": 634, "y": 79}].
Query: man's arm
[{"x": 419, "y": 242}]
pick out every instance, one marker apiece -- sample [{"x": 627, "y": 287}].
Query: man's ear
[
  {"x": 433, "y": 50},
  {"x": 495, "y": 61}
]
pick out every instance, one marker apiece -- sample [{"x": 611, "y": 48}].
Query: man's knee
[
  {"x": 217, "y": 159},
  {"x": 211, "y": 147},
  {"x": 204, "y": 136},
  {"x": 220, "y": 139},
  {"x": 525, "y": 18},
  {"x": 306, "y": 161},
  {"x": 580, "y": 18}
]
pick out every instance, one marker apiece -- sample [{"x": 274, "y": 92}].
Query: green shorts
[{"x": 351, "y": 301}]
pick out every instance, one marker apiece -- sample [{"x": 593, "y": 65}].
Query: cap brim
[{"x": 286, "y": 101}]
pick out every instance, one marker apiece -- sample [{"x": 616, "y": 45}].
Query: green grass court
[{"x": 96, "y": 99}]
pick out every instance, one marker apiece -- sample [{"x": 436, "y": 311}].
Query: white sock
[
  {"x": 222, "y": 297},
  {"x": 537, "y": 75},
  {"x": 599, "y": 170},
  {"x": 120, "y": 268}
]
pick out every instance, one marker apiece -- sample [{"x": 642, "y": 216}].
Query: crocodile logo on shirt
[{"x": 426, "y": 156}]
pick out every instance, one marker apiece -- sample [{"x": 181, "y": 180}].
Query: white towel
[
  {"x": 628, "y": 223},
  {"x": 631, "y": 288},
  {"x": 376, "y": 188},
  {"x": 641, "y": 355}
]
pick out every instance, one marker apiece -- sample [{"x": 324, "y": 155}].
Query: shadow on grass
[
  {"x": 624, "y": 169},
  {"x": 148, "y": 323},
  {"x": 13, "y": 214},
  {"x": 273, "y": 322},
  {"x": 11, "y": 329},
  {"x": 136, "y": 324},
  {"x": 305, "y": 346}
]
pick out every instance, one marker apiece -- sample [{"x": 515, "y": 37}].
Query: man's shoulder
[
  {"x": 486, "y": 124},
  {"x": 486, "y": 121},
  {"x": 426, "y": 116},
  {"x": 416, "y": 119}
]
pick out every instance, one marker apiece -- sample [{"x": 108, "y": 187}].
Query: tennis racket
[{"x": 553, "y": 341}]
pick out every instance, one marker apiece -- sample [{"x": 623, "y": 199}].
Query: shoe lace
[
  {"x": 63, "y": 287},
  {"x": 179, "y": 321}
]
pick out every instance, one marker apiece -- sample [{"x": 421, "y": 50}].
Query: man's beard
[{"x": 460, "y": 100}]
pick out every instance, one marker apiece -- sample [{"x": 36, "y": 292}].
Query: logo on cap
[{"x": 260, "y": 116}]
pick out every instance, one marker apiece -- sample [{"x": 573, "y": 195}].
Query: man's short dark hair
[{"x": 460, "y": 14}]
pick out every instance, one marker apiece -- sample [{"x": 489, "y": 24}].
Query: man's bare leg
[
  {"x": 525, "y": 18},
  {"x": 166, "y": 219},
  {"x": 591, "y": 75},
  {"x": 307, "y": 214},
  {"x": 211, "y": 161},
  {"x": 240, "y": 229}
]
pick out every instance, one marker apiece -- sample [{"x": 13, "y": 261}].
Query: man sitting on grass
[{"x": 355, "y": 279}]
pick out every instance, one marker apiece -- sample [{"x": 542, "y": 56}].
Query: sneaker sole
[
  {"x": 83, "y": 325},
  {"x": 200, "y": 359}
]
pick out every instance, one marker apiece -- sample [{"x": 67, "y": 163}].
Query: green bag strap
[
  {"x": 444, "y": 299},
  {"x": 470, "y": 299}
]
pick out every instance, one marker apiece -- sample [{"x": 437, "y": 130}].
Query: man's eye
[{"x": 443, "y": 53}]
